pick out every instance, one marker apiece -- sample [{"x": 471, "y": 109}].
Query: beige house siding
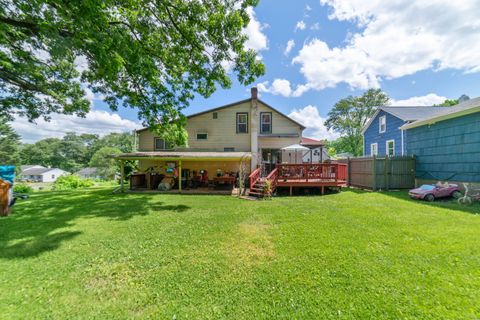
[
  {"x": 222, "y": 132},
  {"x": 280, "y": 124},
  {"x": 145, "y": 141}
]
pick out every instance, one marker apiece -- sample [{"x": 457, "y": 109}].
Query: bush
[
  {"x": 22, "y": 188},
  {"x": 71, "y": 182}
]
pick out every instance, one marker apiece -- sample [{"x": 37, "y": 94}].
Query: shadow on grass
[{"x": 35, "y": 225}]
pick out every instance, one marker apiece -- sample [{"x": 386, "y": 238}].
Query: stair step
[{"x": 256, "y": 193}]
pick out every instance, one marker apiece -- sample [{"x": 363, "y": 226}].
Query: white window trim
[
  {"x": 262, "y": 122},
  {"x": 386, "y": 148},
  {"x": 380, "y": 124},
  {"x": 376, "y": 149}
]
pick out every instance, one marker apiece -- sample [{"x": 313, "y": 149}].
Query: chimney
[{"x": 254, "y": 91}]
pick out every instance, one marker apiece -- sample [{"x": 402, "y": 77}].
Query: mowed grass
[{"x": 90, "y": 254}]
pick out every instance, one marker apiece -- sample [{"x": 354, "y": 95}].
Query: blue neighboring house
[
  {"x": 447, "y": 144},
  {"x": 382, "y": 134}
]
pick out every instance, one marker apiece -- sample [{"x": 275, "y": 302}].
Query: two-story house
[
  {"x": 382, "y": 134},
  {"x": 220, "y": 139}
]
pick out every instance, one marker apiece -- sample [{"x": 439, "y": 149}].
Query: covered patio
[{"x": 187, "y": 172}]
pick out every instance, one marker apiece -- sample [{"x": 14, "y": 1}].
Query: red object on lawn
[{"x": 431, "y": 192}]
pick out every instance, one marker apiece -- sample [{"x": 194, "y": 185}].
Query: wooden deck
[{"x": 301, "y": 175}]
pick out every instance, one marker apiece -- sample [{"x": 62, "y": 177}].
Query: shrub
[
  {"x": 71, "y": 182},
  {"x": 22, "y": 188}
]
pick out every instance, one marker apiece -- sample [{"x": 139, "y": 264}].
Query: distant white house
[{"x": 41, "y": 174}]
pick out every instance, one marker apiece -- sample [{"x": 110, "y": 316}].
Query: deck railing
[
  {"x": 313, "y": 172},
  {"x": 255, "y": 176},
  {"x": 273, "y": 178}
]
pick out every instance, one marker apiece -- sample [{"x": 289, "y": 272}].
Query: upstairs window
[
  {"x": 215, "y": 115},
  {"x": 390, "y": 148},
  {"x": 242, "y": 122},
  {"x": 202, "y": 136},
  {"x": 160, "y": 144},
  {"x": 265, "y": 122},
  {"x": 228, "y": 149},
  {"x": 382, "y": 124}
]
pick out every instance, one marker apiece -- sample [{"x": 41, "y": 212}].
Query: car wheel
[
  {"x": 429, "y": 197},
  {"x": 456, "y": 194}
]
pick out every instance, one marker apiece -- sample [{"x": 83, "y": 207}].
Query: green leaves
[
  {"x": 150, "y": 55},
  {"x": 348, "y": 116}
]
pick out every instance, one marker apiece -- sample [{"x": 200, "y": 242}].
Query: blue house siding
[
  {"x": 392, "y": 132},
  {"x": 447, "y": 150}
]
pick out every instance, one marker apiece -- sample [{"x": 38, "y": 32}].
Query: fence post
[
  {"x": 374, "y": 173},
  {"x": 385, "y": 172},
  {"x": 349, "y": 181}
]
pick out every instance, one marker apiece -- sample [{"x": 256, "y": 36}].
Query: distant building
[
  {"x": 317, "y": 154},
  {"x": 40, "y": 174},
  {"x": 89, "y": 173}
]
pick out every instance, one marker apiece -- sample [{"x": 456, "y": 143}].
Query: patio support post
[
  {"x": 122, "y": 175},
  {"x": 180, "y": 175}
]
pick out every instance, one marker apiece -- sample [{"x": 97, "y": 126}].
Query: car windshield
[{"x": 427, "y": 187}]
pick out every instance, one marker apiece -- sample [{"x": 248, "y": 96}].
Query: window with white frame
[
  {"x": 242, "y": 122},
  {"x": 374, "y": 149},
  {"x": 265, "y": 122},
  {"x": 390, "y": 148},
  {"x": 382, "y": 124}
]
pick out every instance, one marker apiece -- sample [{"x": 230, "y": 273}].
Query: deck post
[
  {"x": 122, "y": 175},
  {"x": 291, "y": 190},
  {"x": 323, "y": 190},
  {"x": 180, "y": 176}
]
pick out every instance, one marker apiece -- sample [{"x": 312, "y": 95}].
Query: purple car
[{"x": 431, "y": 192}]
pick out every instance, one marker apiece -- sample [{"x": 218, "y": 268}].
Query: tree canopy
[
  {"x": 348, "y": 116},
  {"x": 453, "y": 102},
  {"x": 153, "y": 55},
  {"x": 9, "y": 144}
]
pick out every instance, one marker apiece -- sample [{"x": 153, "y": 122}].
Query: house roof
[
  {"x": 406, "y": 113},
  {"x": 25, "y": 167},
  {"x": 461, "y": 109},
  {"x": 234, "y": 104},
  {"x": 37, "y": 171},
  {"x": 184, "y": 155},
  {"x": 311, "y": 142}
]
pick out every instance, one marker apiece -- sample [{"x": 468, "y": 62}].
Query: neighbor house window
[
  {"x": 215, "y": 115},
  {"x": 229, "y": 149},
  {"x": 390, "y": 147},
  {"x": 242, "y": 122},
  {"x": 374, "y": 149},
  {"x": 160, "y": 144},
  {"x": 53, "y": 176},
  {"x": 382, "y": 124},
  {"x": 265, "y": 122},
  {"x": 202, "y": 136}
]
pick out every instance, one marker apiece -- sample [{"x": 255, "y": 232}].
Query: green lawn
[{"x": 90, "y": 254}]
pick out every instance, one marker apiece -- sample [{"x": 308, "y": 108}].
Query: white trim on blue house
[
  {"x": 384, "y": 118},
  {"x": 376, "y": 149},
  {"x": 387, "y": 149}
]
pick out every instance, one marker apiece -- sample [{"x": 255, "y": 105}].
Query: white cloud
[
  {"x": 257, "y": 40},
  {"x": 280, "y": 87},
  {"x": 397, "y": 38},
  {"x": 315, "y": 26},
  {"x": 315, "y": 124},
  {"x": 96, "y": 122},
  {"x": 289, "y": 47},
  {"x": 308, "y": 8},
  {"x": 300, "y": 25},
  {"x": 426, "y": 100}
]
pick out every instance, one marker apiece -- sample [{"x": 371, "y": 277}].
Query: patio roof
[{"x": 184, "y": 155}]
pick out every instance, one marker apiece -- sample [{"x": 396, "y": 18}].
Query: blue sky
[{"x": 418, "y": 52}]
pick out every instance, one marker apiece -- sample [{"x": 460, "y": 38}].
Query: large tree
[
  {"x": 9, "y": 144},
  {"x": 154, "y": 55},
  {"x": 106, "y": 166},
  {"x": 348, "y": 116}
]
